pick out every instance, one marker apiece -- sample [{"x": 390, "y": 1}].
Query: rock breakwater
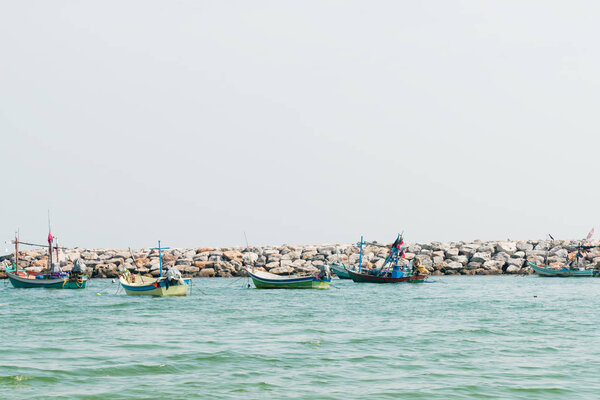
[{"x": 440, "y": 258}]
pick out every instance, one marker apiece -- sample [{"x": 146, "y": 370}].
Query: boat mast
[
  {"x": 16, "y": 253},
  {"x": 160, "y": 258},
  {"x": 160, "y": 255},
  {"x": 361, "y": 251},
  {"x": 49, "y": 244}
]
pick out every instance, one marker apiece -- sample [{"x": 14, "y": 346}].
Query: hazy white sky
[{"x": 298, "y": 122}]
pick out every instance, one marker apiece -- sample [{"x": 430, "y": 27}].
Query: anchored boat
[
  {"x": 266, "y": 280},
  {"x": 341, "y": 270},
  {"x": 574, "y": 266},
  {"x": 548, "y": 270},
  {"x": 53, "y": 278},
  {"x": 172, "y": 284},
  {"x": 392, "y": 270}
]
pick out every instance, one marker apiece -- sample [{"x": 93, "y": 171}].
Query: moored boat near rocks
[{"x": 439, "y": 258}]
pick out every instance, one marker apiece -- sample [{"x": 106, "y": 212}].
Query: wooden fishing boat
[
  {"x": 547, "y": 270},
  {"x": 170, "y": 285},
  {"x": 574, "y": 266},
  {"x": 340, "y": 270},
  {"x": 266, "y": 280},
  {"x": 374, "y": 278},
  {"x": 392, "y": 270},
  {"x": 23, "y": 280},
  {"x": 138, "y": 285},
  {"x": 53, "y": 278}
]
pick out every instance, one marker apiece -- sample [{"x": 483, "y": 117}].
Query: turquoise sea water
[{"x": 461, "y": 337}]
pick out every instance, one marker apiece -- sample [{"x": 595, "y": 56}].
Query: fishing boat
[
  {"x": 53, "y": 278},
  {"x": 574, "y": 266},
  {"x": 172, "y": 284},
  {"x": 267, "y": 280},
  {"x": 341, "y": 270},
  {"x": 548, "y": 270},
  {"x": 392, "y": 270}
]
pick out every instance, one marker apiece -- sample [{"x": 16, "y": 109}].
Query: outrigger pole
[{"x": 40, "y": 245}]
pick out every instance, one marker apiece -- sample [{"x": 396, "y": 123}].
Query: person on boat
[
  {"x": 324, "y": 272},
  {"x": 418, "y": 269}
]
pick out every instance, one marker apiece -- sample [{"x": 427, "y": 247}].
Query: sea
[{"x": 454, "y": 337}]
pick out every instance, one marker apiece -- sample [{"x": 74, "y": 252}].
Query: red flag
[
  {"x": 50, "y": 237},
  {"x": 589, "y": 236}
]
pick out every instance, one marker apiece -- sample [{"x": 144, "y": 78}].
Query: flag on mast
[{"x": 589, "y": 236}]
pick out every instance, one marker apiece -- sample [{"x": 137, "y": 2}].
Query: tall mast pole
[
  {"x": 160, "y": 255},
  {"x": 49, "y": 243},
  {"x": 16, "y": 253},
  {"x": 160, "y": 258},
  {"x": 360, "y": 257}
]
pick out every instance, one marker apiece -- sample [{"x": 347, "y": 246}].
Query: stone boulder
[
  {"x": 506, "y": 247},
  {"x": 512, "y": 269},
  {"x": 282, "y": 270},
  {"x": 481, "y": 257},
  {"x": 453, "y": 266},
  {"x": 207, "y": 272},
  {"x": 233, "y": 255},
  {"x": 493, "y": 265}
]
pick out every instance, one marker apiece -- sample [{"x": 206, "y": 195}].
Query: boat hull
[
  {"x": 278, "y": 282},
  {"x": 359, "y": 277},
  {"x": 58, "y": 283},
  {"x": 340, "y": 270},
  {"x": 564, "y": 273},
  {"x": 151, "y": 289}
]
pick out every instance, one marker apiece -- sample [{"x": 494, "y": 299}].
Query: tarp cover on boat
[
  {"x": 78, "y": 267},
  {"x": 173, "y": 274}
]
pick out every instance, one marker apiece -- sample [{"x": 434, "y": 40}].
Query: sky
[{"x": 203, "y": 123}]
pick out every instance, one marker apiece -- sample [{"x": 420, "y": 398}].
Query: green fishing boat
[
  {"x": 52, "y": 278},
  {"x": 574, "y": 266},
  {"x": 341, "y": 270},
  {"x": 266, "y": 280}
]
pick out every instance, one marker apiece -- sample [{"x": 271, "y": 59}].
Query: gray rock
[
  {"x": 493, "y": 265},
  {"x": 512, "y": 269},
  {"x": 451, "y": 252},
  {"x": 272, "y": 265},
  {"x": 506, "y": 247},
  {"x": 474, "y": 265},
  {"x": 481, "y": 257},
  {"x": 454, "y": 265},
  {"x": 461, "y": 259},
  {"x": 524, "y": 246}
]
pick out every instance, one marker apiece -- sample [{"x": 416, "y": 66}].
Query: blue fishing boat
[
  {"x": 392, "y": 270},
  {"x": 172, "y": 284}
]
